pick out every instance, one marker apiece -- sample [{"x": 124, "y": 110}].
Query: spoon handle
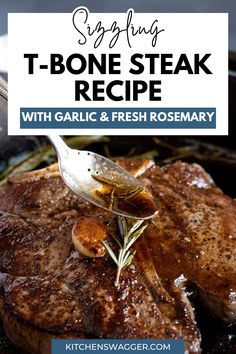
[
  {"x": 3, "y": 88},
  {"x": 61, "y": 148}
]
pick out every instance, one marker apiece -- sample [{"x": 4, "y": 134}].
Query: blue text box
[
  {"x": 120, "y": 346},
  {"x": 118, "y": 118}
]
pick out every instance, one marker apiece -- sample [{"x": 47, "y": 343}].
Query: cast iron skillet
[{"x": 217, "y": 338}]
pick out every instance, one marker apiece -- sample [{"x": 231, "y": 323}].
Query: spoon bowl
[{"x": 83, "y": 171}]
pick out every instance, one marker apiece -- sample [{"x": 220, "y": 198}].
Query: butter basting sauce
[{"x": 130, "y": 199}]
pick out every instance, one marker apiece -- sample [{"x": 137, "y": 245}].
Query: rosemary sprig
[{"x": 128, "y": 235}]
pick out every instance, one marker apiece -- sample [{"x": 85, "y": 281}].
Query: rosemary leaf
[
  {"x": 110, "y": 251},
  {"x": 135, "y": 227},
  {"x": 136, "y": 236},
  {"x": 129, "y": 259},
  {"x": 126, "y": 256},
  {"x": 122, "y": 224}
]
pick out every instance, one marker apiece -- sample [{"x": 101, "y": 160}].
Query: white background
[{"x": 54, "y": 33}]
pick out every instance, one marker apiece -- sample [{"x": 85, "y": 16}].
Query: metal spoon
[{"x": 77, "y": 168}]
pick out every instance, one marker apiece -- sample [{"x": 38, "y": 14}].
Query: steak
[
  {"x": 195, "y": 235},
  {"x": 50, "y": 290}
]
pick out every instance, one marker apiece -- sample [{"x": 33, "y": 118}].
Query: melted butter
[{"x": 133, "y": 200}]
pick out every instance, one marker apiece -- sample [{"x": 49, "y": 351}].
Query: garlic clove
[{"x": 87, "y": 236}]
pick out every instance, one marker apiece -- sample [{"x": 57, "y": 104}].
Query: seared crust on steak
[
  {"x": 50, "y": 290},
  {"x": 195, "y": 234}
]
